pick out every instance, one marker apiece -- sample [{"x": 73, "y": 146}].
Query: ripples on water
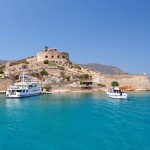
[{"x": 75, "y": 122}]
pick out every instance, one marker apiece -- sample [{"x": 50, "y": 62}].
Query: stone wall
[
  {"x": 17, "y": 62},
  {"x": 5, "y": 83},
  {"x": 52, "y": 54},
  {"x": 30, "y": 59},
  {"x": 128, "y": 81}
]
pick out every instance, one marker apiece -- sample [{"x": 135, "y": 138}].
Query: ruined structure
[
  {"x": 133, "y": 82},
  {"x": 52, "y": 54}
]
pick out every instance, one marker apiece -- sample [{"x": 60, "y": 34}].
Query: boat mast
[{"x": 23, "y": 76}]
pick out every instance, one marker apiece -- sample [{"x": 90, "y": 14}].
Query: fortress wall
[
  {"x": 50, "y": 55},
  {"x": 17, "y": 62},
  {"x": 131, "y": 82},
  {"x": 29, "y": 59}
]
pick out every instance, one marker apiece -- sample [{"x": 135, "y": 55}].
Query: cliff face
[
  {"x": 2, "y": 62},
  {"x": 126, "y": 81}
]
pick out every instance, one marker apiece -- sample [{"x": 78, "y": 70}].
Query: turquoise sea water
[{"x": 75, "y": 122}]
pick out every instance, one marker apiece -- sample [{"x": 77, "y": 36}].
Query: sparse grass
[
  {"x": 60, "y": 67},
  {"x": 67, "y": 77},
  {"x": 84, "y": 76},
  {"x": 52, "y": 64},
  {"x": 76, "y": 66}
]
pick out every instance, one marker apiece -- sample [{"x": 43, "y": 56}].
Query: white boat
[
  {"x": 23, "y": 89},
  {"x": 116, "y": 93}
]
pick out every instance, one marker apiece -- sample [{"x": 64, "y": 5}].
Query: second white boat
[{"x": 116, "y": 93}]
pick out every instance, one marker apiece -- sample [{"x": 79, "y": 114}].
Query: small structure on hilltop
[{"x": 52, "y": 54}]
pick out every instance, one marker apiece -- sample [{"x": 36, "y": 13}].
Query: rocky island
[{"x": 57, "y": 73}]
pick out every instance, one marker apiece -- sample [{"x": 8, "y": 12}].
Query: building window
[
  {"x": 63, "y": 56},
  {"x": 52, "y": 56},
  {"x": 58, "y": 56},
  {"x": 46, "y": 56}
]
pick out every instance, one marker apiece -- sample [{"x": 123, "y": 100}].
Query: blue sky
[{"x": 111, "y": 32}]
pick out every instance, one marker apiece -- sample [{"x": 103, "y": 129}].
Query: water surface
[{"x": 75, "y": 122}]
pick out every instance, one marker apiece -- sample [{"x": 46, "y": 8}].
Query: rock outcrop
[{"x": 2, "y": 62}]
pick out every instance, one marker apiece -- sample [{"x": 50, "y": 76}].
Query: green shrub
[
  {"x": 47, "y": 87},
  {"x": 114, "y": 83},
  {"x": 77, "y": 66},
  {"x": 60, "y": 67},
  {"x": 46, "y": 61},
  {"x": 1, "y": 72},
  {"x": 84, "y": 76},
  {"x": 27, "y": 62},
  {"x": 43, "y": 72},
  {"x": 101, "y": 85},
  {"x": 81, "y": 82},
  {"x": 52, "y": 63}
]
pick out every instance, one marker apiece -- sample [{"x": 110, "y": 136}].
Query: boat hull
[
  {"x": 20, "y": 96},
  {"x": 117, "y": 95}
]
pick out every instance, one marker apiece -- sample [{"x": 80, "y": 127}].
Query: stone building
[{"x": 52, "y": 54}]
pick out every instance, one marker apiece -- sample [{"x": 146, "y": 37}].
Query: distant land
[{"x": 103, "y": 68}]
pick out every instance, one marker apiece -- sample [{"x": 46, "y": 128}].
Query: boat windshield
[
  {"x": 117, "y": 91},
  {"x": 15, "y": 91}
]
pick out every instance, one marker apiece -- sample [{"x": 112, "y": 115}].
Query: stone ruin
[{"x": 52, "y": 54}]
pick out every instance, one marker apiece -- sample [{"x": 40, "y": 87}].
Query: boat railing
[
  {"x": 16, "y": 87},
  {"x": 13, "y": 87}
]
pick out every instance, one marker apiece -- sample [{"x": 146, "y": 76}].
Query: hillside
[
  {"x": 2, "y": 62},
  {"x": 103, "y": 68},
  {"x": 91, "y": 66},
  {"x": 54, "y": 68}
]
